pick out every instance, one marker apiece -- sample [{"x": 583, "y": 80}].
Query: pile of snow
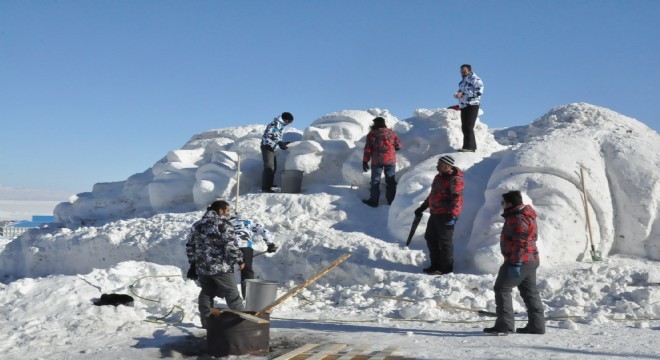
[{"x": 119, "y": 232}]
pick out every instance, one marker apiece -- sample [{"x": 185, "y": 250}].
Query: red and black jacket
[
  {"x": 519, "y": 235},
  {"x": 381, "y": 146},
  {"x": 446, "y": 196}
]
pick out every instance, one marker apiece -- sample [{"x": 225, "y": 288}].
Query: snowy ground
[{"x": 128, "y": 237}]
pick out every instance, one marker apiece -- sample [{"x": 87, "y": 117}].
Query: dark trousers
[
  {"x": 390, "y": 182},
  {"x": 468, "y": 119},
  {"x": 526, "y": 284},
  {"x": 220, "y": 285},
  {"x": 439, "y": 239},
  {"x": 270, "y": 166},
  {"x": 247, "y": 272}
]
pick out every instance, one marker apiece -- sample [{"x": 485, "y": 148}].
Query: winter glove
[
  {"x": 192, "y": 272},
  {"x": 514, "y": 271},
  {"x": 365, "y": 166},
  {"x": 451, "y": 221},
  {"x": 282, "y": 145},
  {"x": 420, "y": 210},
  {"x": 271, "y": 248}
]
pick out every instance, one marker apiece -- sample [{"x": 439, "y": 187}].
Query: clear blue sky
[{"x": 95, "y": 91}]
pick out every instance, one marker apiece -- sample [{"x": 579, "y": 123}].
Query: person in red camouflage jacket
[
  {"x": 445, "y": 202},
  {"x": 382, "y": 144},
  {"x": 521, "y": 260}
]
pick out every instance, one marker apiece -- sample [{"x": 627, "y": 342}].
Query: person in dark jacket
[
  {"x": 521, "y": 260},
  {"x": 212, "y": 253},
  {"x": 469, "y": 93},
  {"x": 382, "y": 144},
  {"x": 445, "y": 202},
  {"x": 273, "y": 138}
]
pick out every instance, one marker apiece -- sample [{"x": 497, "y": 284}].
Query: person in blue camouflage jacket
[
  {"x": 245, "y": 230},
  {"x": 212, "y": 253},
  {"x": 273, "y": 137},
  {"x": 469, "y": 98}
]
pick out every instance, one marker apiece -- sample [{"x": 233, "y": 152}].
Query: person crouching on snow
[
  {"x": 244, "y": 230},
  {"x": 521, "y": 259},
  {"x": 382, "y": 143},
  {"x": 212, "y": 253}
]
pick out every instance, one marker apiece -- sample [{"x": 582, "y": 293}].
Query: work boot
[
  {"x": 267, "y": 190},
  {"x": 370, "y": 203},
  {"x": 527, "y": 330},
  {"x": 215, "y": 312},
  {"x": 498, "y": 331},
  {"x": 429, "y": 269}
]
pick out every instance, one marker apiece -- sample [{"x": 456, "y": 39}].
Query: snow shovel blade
[
  {"x": 413, "y": 228},
  {"x": 596, "y": 255}
]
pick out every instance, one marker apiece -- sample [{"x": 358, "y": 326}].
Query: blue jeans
[{"x": 390, "y": 182}]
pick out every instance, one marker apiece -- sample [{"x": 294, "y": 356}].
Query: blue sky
[{"x": 95, "y": 91}]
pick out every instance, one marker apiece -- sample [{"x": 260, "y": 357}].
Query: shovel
[
  {"x": 595, "y": 255},
  {"x": 413, "y": 228}
]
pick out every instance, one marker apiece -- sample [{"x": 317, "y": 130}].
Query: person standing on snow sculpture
[
  {"x": 445, "y": 202},
  {"x": 244, "y": 230},
  {"x": 521, "y": 259},
  {"x": 212, "y": 253},
  {"x": 469, "y": 97},
  {"x": 273, "y": 137},
  {"x": 382, "y": 143}
]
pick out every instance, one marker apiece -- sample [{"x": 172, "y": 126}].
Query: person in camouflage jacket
[
  {"x": 446, "y": 203},
  {"x": 521, "y": 260},
  {"x": 245, "y": 231},
  {"x": 470, "y": 89},
  {"x": 272, "y": 138},
  {"x": 212, "y": 253},
  {"x": 381, "y": 146}
]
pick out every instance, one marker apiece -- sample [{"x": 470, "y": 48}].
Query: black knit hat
[
  {"x": 286, "y": 116},
  {"x": 513, "y": 197},
  {"x": 447, "y": 159},
  {"x": 379, "y": 121}
]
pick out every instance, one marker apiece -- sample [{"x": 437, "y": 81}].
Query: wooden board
[
  {"x": 298, "y": 351},
  {"x": 320, "y": 354},
  {"x": 293, "y": 292},
  {"x": 381, "y": 355},
  {"x": 246, "y": 316},
  {"x": 354, "y": 352}
]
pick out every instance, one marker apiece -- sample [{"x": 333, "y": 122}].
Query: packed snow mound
[
  {"x": 187, "y": 179},
  {"x": 623, "y": 185},
  {"x": 329, "y": 152},
  {"x": 542, "y": 160}
]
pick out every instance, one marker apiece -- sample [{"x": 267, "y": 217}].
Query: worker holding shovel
[{"x": 244, "y": 230}]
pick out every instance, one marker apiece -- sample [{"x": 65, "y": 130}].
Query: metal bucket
[
  {"x": 259, "y": 294},
  {"x": 292, "y": 181},
  {"x": 228, "y": 334}
]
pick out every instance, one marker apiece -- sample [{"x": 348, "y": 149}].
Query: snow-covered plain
[{"x": 109, "y": 238}]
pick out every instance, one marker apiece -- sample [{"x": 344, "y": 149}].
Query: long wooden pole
[
  {"x": 297, "y": 289},
  {"x": 586, "y": 209},
  {"x": 238, "y": 182}
]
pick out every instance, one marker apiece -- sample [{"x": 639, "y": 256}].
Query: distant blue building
[{"x": 17, "y": 228}]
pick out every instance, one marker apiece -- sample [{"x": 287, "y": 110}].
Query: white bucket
[{"x": 259, "y": 294}]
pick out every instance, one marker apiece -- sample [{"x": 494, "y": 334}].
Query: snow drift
[
  {"x": 136, "y": 219},
  {"x": 119, "y": 232}
]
